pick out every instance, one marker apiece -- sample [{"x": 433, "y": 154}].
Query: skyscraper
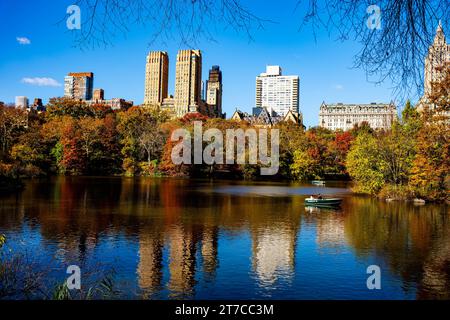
[
  {"x": 21, "y": 102},
  {"x": 438, "y": 55},
  {"x": 276, "y": 92},
  {"x": 188, "y": 82},
  {"x": 214, "y": 90},
  {"x": 156, "y": 78},
  {"x": 79, "y": 85}
]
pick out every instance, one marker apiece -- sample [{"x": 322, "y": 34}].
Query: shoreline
[{"x": 398, "y": 199}]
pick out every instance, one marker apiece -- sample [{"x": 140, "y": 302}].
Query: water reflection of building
[
  {"x": 274, "y": 253},
  {"x": 150, "y": 262},
  {"x": 210, "y": 238},
  {"x": 182, "y": 262},
  {"x": 331, "y": 231},
  {"x": 182, "y": 242},
  {"x": 190, "y": 244}
]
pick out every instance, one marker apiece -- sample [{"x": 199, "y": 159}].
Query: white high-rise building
[
  {"x": 276, "y": 92},
  {"x": 21, "y": 102}
]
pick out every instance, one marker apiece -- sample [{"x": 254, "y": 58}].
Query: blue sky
[{"x": 324, "y": 66}]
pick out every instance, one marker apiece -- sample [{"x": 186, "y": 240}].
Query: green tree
[
  {"x": 396, "y": 150},
  {"x": 411, "y": 119},
  {"x": 304, "y": 166},
  {"x": 364, "y": 165}
]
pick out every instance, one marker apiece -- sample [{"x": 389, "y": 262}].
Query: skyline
[{"x": 35, "y": 63}]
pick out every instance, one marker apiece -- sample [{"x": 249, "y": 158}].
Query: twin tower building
[{"x": 190, "y": 95}]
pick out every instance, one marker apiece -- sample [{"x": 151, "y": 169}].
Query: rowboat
[{"x": 329, "y": 202}]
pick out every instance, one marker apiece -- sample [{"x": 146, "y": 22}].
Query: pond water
[{"x": 196, "y": 239}]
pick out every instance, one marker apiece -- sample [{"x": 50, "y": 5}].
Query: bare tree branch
[
  {"x": 396, "y": 51},
  {"x": 103, "y": 20}
]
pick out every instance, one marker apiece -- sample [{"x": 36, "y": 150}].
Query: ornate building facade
[
  {"x": 438, "y": 56},
  {"x": 263, "y": 117},
  {"x": 345, "y": 116}
]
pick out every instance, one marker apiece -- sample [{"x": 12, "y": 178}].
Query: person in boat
[{"x": 319, "y": 197}]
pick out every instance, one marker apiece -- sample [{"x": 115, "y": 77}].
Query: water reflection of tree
[
  {"x": 181, "y": 217},
  {"x": 405, "y": 237},
  {"x": 185, "y": 218}
]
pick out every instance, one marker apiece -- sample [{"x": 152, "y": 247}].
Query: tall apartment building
[
  {"x": 22, "y": 102},
  {"x": 438, "y": 56},
  {"x": 188, "y": 82},
  {"x": 345, "y": 116},
  {"x": 276, "y": 92},
  {"x": 156, "y": 78},
  {"x": 79, "y": 85},
  {"x": 214, "y": 90}
]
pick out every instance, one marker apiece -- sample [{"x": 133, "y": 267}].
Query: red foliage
[
  {"x": 73, "y": 160},
  {"x": 343, "y": 141},
  {"x": 192, "y": 117}
]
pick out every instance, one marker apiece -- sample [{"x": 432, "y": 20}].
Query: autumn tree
[
  {"x": 364, "y": 166},
  {"x": 31, "y": 154},
  {"x": 90, "y": 134},
  {"x": 142, "y": 138},
  {"x": 69, "y": 151},
  {"x": 304, "y": 166},
  {"x": 431, "y": 166},
  {"x": 339, "y": 148},
  {"x": 58, "y": 107},
  {"x": 12, "y": 122},
  {"x": 439, "y": 99},
  {"x": 292, "y": 139}
]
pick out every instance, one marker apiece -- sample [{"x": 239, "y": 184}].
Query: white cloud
[
  {"x": 42, "y": 82},
  {"x": 23, "y": 40},
  {"x": 339, "y": 87}
]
